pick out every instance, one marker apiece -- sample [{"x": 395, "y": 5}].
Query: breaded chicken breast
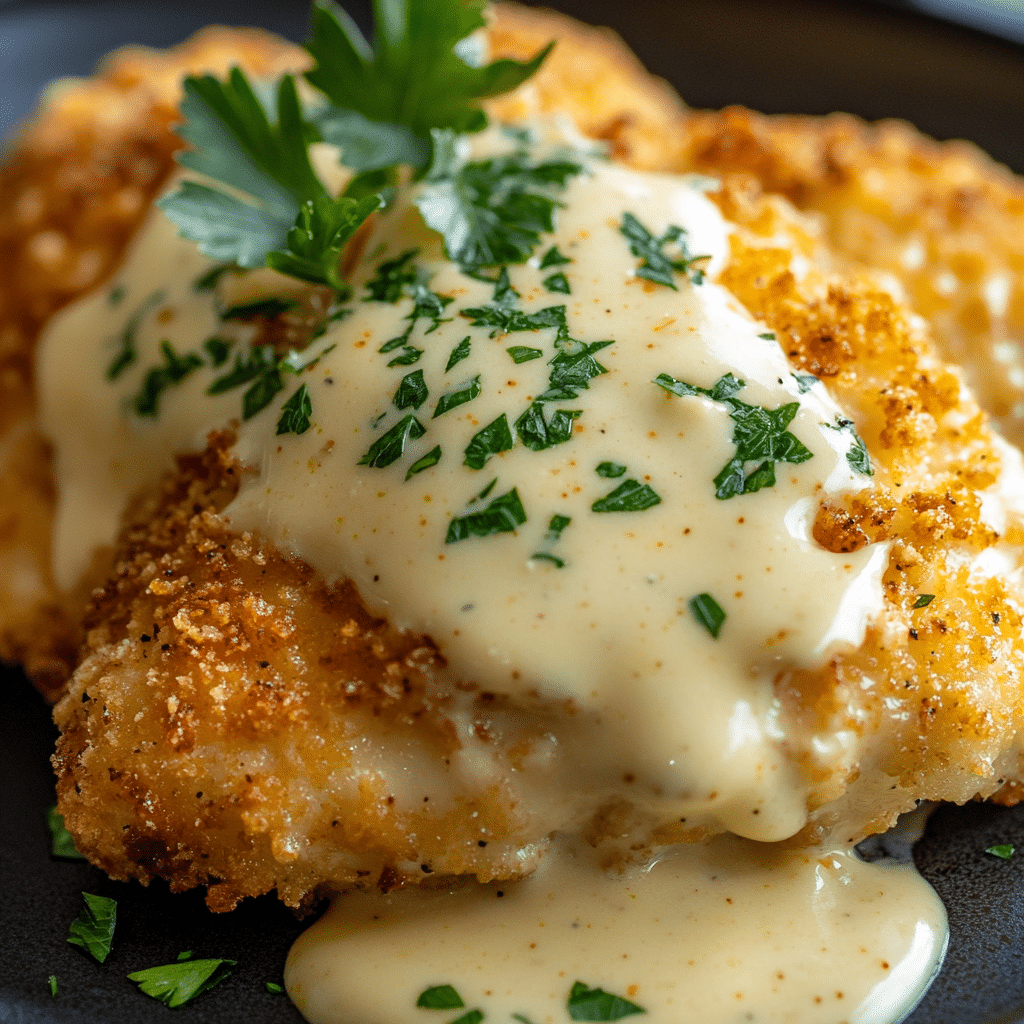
[{"x": 231, "y": 717}]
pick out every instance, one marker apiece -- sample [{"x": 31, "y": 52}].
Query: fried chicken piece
[{"x": 234, "y": 722}]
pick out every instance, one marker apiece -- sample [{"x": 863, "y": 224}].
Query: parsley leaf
[
  {"x": 390, "y": 447},
  {"x": 290, "y": 221},
  {"x": 553, "y": 258},
  {"x": 594, "y": 1004},
  {"x": 656, "y": 265},
  {"x": 269, "y": 308},
  {"x": 1004, "y": 851},
  {"x": 412, "y": 392},
  {"x": 440, "y": 997},
  {"x": 177, "y": 984},
  {"x": 707, "y": 611},
  {"x": 523, "y": 354},
  {"x": 465, "y": 392},
  {"x": 759, "y": 435},
  {"x": 388, "y": 284},
  {"x": 61, "y": 842},
  {"x": 295, "y": 413},
  {"x": 157, "y": 380},
  {"x": 558, "y": 283},
  {"x": 93, "y": 929},
  {"x": 611, "y": 470},
  {"x": 556, "y": 525},
  {"x": 629, "y": 496},
  {"x": 923, "y": 600},
  {"x": 52, "y": 983},
  {"x": 218, "y": 350},
  {"x": 460, "y": 352},
  {"x": 415, "y": 73},
  {"x": 495, "y": 437},
  {"x": 491, "y": 212},
  {"x": 315, "y": 242},
  {"x": 804, "y": 382},
  {"x": 539, "y": 434},
  {"x": 857, "y": 454},
  {"x": 127, "y": 340},
  {"x": 502, "y": 515},
  {"x": 573, "y": 371},
  {"x": 432, "y": 458},
  {"x": 274, "y": 988}
]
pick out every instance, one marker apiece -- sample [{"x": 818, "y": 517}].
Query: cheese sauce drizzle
[{"x": 557, "y": 532}]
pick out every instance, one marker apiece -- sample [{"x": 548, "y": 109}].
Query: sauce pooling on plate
[{"x": 591, "y": 480}]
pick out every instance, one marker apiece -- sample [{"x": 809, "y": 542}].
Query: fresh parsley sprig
[
  {"x": 179, "y": 983},
  {"x": 288, "y": 219},
  {"x": 422, "y": 72}
]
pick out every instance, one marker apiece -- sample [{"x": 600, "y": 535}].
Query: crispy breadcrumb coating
[{"x": 233, "y": 722}]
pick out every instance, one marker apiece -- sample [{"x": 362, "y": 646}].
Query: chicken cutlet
[{"x": 235, "y": 718}]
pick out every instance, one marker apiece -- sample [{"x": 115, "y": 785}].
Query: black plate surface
[{"x": 787, "y": 55}]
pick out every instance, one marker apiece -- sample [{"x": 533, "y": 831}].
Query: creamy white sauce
[
  {"x": 665, "y": 716},
  {"x": 728, "y": 932}
]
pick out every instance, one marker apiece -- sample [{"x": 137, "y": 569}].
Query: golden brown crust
[
  {"x": 147, "y": 727},
  {"x": 942, "y": 219}
]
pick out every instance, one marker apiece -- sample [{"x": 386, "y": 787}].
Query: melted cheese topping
[{"x": 596, "y": 620}]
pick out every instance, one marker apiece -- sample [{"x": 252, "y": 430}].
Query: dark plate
[{"x": 790, "y": 55}]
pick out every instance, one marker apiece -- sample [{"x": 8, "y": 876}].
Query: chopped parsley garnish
[
  {"x": 432, "y": 458},
  {"x": 572, "y": 371},
  {"x": 472, "y": 1017},
  {"x": 1004, "y": 851},
  {"x": 539, "y": 433},
  {"x": 295, "y": 413},
  {"x": 392, "y": 278},
  {"x": 708, "y": 612},
  {"x": 174, "y": 370},
  {"x": 61, "y": 843},
  {"x": 760, "y": 435},
  {"x": 274, "y": 988},
  {"x": 218, "y": 349},
  {"x": 440, "y": 997},
  {"x": 629, "y": 496},
  {"x": 185, "y": 954},
  {"x": 504, "y": 316},
  {"x": 523, "y": 353},
  {"x": 208, "y": 281},
  {"x": 426, "y": 305},
  {"x": 923, "y": 600},
  {"x": 93, "y": 929},
  {"x": 128, "y": 353},
  {"x": 177, "y": 984},
  {"x": 502, "y": 515},
  {"x": 495, "y": 437},
  {"x": 52, "y": 984},
  {"x": 610, "y": 470},
  {"x": 116, "y": 295},
  {"x": 389, "y": 447},
  {"x": 412, "y": 392},
  {"x": 553, "y": 258},
  {"x": 460, "y": 352},
  {"x": 558, "y": 283},
  {"x": 768, "y": 336},
  {"x": 556, "y": 525},
  {"x": 804, "y": 382},
  {"x": 269, "y": 308},
  {"x": 259, "y": 360},
  {"x": 594, "y": 1004},
  {"x": 656, "y": 265},
  {"x": 410, "y": 354},
  {"x": 490, "y": 212},
  {"x": 857, "y": 454},
  {"x": 465, "y": 392},
  {"x": 546, "y": 556}
]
